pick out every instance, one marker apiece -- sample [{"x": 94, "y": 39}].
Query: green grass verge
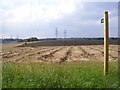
[{"x": 59, "y": 75}]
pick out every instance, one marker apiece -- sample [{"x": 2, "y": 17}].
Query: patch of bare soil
[
  {"x": 22, "y": 54},
  {"x": 48, "y": 57},
  {"x": 67, "y": 43},
  {"x": 76, "y": 54},
  {"x": 58, "y": 55},
  {"x": 80, "y": 53},
  {"x": 67, "y": 54},
  {"x": 113, "y": 54}
]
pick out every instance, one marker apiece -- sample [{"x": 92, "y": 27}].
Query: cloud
[
  {"x": 43, "y": 16},
  {"x": 42, "y": 12}
]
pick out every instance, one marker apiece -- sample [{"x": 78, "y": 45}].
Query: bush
[
  {"x": 29, "y": 39},
  {"x": 32, "y": 39}
]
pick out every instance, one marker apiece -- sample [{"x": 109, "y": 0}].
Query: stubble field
[{"x": 11, "y": 53}]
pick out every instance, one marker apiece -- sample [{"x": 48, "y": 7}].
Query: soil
[
  {"x": 68, "y": 43},
  {"x": 60, "y": 54}
]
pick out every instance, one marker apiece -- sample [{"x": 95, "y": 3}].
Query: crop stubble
[{"x": 58, "y": 53}]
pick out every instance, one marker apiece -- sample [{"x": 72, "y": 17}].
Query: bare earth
[{"x": 60, "y": 54}]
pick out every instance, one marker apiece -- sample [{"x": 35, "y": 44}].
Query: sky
[{"x": 39, "y": 18}]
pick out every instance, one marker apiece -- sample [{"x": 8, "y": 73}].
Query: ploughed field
[
  {"x": 69, "y": 43},
  {"x": 72, "y": 53}
]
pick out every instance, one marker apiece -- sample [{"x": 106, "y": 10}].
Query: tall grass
[
  {"x": 0, "y": 74},
  {"x": 59, "y": 75}
]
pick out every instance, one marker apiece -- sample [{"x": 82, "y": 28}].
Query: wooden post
[{"x": 106, "y": 42}]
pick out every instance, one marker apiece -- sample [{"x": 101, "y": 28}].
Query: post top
[{"x": 106, "y": 11}]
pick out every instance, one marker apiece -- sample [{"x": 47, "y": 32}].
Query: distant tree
[
  {"x": 21, "y": 40},
  {"x": 32, "y": 39},
  {"x": 29, "y": 39}
]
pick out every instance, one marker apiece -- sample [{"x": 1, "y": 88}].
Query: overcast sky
[{"x": 39, "y": 18}]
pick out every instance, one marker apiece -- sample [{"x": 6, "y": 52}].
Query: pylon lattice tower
[
  {"x": 65, "y": 34},
  {"x": 56, "y": 34}
]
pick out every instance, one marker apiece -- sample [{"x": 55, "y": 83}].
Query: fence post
[{"x": 106, "y": 42}]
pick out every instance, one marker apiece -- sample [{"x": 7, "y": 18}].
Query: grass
[
  {"x": 59, "y": 75},
  {"x": 0, "y": 74}
]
